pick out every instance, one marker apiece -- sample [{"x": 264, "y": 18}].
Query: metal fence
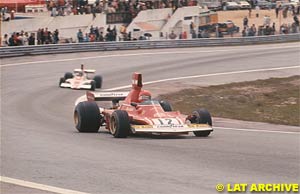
[{"x": 130, "y": 45}]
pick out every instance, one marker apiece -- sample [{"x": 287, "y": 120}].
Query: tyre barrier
[{"x": 147, "y": 44}]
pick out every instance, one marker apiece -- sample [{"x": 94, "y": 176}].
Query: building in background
[{"x": 19, "y": 5}]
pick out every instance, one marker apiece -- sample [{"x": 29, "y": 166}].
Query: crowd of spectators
[
  {"x": 100, "y": 34},
  {"x": 43, "y": 36},
  {"x": 268, "y": 29},
  {"x": 66, "y": 7}
]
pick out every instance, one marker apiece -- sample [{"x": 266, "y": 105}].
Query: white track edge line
[
  {"x": 38, "y": 186},
  {"x": 205, "y": 75},
  {"x": 257, "y": 130}
]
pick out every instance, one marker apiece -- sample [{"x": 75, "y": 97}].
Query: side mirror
[{"x": 134, "y": 104}]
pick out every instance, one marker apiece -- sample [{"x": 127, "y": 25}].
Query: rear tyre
[
  {"x": 119, "y": 124},
  {"x": 98, "y": 80},
  {"x": 68, "y": 75},
  {"x": 202, "y": 116},
  {"x": 87, "y": 117},
  {"x": 61, "y": 80},
  {"x": 93, "y": 85},
  {"x": 166, "y": 106}
]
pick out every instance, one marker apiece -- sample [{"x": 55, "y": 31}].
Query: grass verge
[{"x": 275, "y": 100}]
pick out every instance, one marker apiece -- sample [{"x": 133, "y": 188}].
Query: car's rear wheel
[
  {"x": 68, "y": 75},
  {"x": 61, "y": 80},
  {"x": 87, "y": 117},
  {"x": 98, "y": 80},
  {"x": 202, "y": 116},
  {"x": 166, "y": 106},
  {"x": 119, "y": 124}
]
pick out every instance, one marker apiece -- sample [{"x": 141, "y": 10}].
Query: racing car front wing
[
  {"x": 67, "y": 85},
  {"x": 171, "y": 128}
]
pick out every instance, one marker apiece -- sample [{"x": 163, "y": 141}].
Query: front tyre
[
  {"x": 87, "y": 117},
  {"x": 61, "y": 80},
  {"x": 68, "y": 75},
  {"x": 202, "y": 116},
  {"x": 119, "y": 124},
  {"x": 98, "y": 80},
  {"x": 166, "y": 106},
  {"x": 93, "y": 85}
]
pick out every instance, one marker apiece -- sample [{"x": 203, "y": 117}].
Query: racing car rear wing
[
  {"x": 85, "y": 70},
  {"x": 106, "y": 96}
]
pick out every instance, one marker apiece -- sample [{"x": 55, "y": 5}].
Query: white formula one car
[{"x": 80, "y": 80}]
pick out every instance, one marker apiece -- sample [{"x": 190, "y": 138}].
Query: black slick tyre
[
  {"x": 93, "y": 86},
  {"x": 202, "y": 116},
  {"x": 61, "y": 80},
  {"x": 87, "y": 117},
  {"x": 119, "y": 124},
  {"x": 166, "y": 106},
  {"x": 68, "y": 75},
  {"x": 98, "y": 80}
]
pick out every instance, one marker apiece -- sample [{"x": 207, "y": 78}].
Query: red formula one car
[
  {"x": 80, "y": 80},
  {"x": 137, "y": 114}
]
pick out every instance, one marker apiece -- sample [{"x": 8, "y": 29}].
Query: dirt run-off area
[
  {"x": 237, "y": 17},
  {"x": 275, "y": 100}
]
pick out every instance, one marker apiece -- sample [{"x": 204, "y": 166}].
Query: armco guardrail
[{"x": 109, "y": 46}]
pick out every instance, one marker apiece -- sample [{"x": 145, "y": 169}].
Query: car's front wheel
[
  {"x": 119, "y": 124},
  {"x": 98, "y": 80},
  {"x": 87, "y": 117},
  {"x": 202, "y": 116},
  {"x": 68, "y": 75},
  {"x": 61, "y": 80},
  {"x": 93, "y": 85}
]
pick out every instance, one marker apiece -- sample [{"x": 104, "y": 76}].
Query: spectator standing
[
  {"x": 97, "y": 33},
  {"x": 92, "y": 38},
  {"x": 101, "y": 37},
  {"x": 277, "y": 10},
  {"x": 25, "y": 39},
  {"x": 31, "y": 39},
  {"x": 46, "y": 36},
  {"x": 273, "y": 27},
  {"x": 39, "y": 36},
  {"x": 94, "y": 12},
  {"x": 114, "y": 33},
  {"x": 245, "y": 21},
  {"x": 296, "y": 20},
  {"x": 42, "y": 36},
  {"x": 80, "y": 36},
  {"x": 5, "y": 40},
  {"x": 244, "y": 32},
  {"x": 55, "y": 36},
  {"x": 192, "y": 26},
  {"x": 253, "y": 30},
  {"x": 86, "y": 38},
  {"x": 11, "y": 41},
  {"x": 172, "y": 35}
]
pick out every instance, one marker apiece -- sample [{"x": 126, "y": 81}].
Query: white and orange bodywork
[
  {"x": 77, "y": 82},
  {"x": 80, "y": 79}
]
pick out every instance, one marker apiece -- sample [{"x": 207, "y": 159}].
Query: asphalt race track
[{"x": 40, "y": 144}]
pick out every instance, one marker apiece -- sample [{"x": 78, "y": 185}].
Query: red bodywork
[
  {"x": 150, "y": 113},
  {"x": 139, "y": 114}
]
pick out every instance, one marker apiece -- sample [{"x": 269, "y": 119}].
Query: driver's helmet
[{"x": 144, "y": 96}]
